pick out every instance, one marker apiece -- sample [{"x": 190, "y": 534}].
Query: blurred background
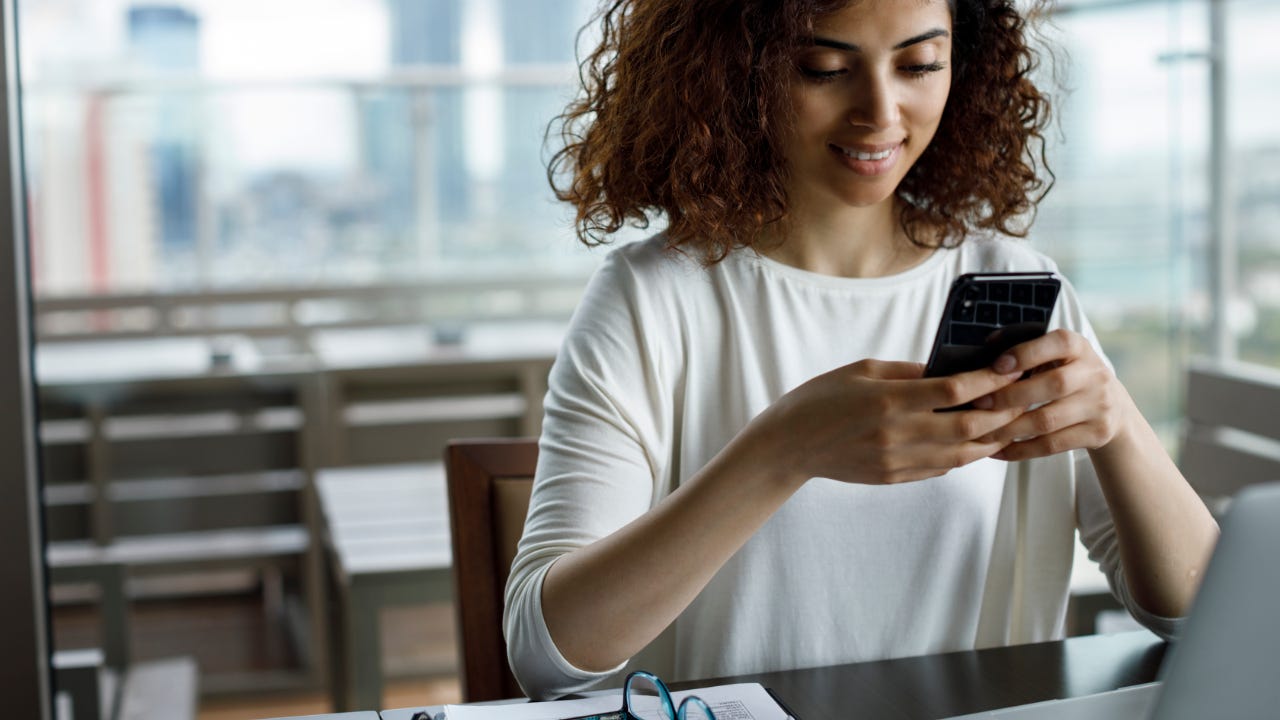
[{"x": 311, "y": 239}]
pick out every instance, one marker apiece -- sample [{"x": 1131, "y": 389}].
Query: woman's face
[{"x": 867, "y": 98}]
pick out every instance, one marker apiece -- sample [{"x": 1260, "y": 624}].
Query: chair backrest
[
  {"x": 1233, "y": 428},
  {"x": 489, "y": 484}
]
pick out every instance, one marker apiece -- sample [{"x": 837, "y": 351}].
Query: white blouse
[{"x": 665, "y": 361}]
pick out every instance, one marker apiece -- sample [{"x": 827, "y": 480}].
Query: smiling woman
[{"x": 742, "y": 467}]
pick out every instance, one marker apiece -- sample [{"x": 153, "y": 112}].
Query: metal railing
[{"x": 294, "y": 313}]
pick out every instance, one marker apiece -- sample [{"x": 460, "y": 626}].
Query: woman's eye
[
  {"x": 821, "y": 75},
  {"x": 923, "y": 69}
]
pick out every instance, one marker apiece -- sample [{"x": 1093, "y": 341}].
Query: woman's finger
[
  {"x": 1046, "y": 419},
  {"x": 1057, "y": 345},
  {"x": 934, "y": 459},
  {"x": 889, "y": 369},
  {"x": 945, "y": 392},
  {"x": 1080, "y": 435},
  {"x": 965, "y": 424},
  {"x": 1043, "y": 387}
]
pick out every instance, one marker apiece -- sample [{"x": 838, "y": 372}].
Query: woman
[{"x": 741, "y": 469}]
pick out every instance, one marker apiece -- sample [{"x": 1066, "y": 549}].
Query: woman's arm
[
  {"x": 870, "y": 422},
  {"x": 1164, "y": 531},
  {"x": 605, "y": 602}
]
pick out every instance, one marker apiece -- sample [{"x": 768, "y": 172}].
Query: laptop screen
[{"x": 1227, "y": 662}]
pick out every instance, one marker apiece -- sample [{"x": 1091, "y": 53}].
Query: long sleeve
[{"x": 599, "y": 458}]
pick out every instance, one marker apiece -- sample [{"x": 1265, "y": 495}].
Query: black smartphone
[{"x": 988, "y": 313}]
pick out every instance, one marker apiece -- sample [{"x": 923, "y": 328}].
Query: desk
[{"x": 939, "y": 686}]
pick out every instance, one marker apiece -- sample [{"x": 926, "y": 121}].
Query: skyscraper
[
  {"x": 533, "y": 33},
  {"x": 411, "y": 139},
  {"x": 166, "y": 39}
]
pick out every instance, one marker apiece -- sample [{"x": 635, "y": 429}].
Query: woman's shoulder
[
  {"x": 649, "y": 265},
  {"x": 652, "y": 256},
  {"x": 1000, "y": 253},
  {"x": 639, "y": 278}
]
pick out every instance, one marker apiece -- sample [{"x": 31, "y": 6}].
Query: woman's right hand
[{"x": 873, "y": 422}]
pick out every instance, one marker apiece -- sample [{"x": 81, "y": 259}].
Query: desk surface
[{"x": 940, "y": 686}]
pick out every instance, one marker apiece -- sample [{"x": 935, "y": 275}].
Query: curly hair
[{"x": 685, "y": 106}]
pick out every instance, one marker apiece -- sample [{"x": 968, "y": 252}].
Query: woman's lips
[{"x": 869, "y": 160}]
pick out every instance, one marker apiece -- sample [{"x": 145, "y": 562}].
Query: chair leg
[
  {"x": 364, "y": 648},
  {"x": 338, "y": 651},
  {"x": 115, "y": 616},
  {"x": 355, "y": 655},
  {"x": 316, "y": 599}
]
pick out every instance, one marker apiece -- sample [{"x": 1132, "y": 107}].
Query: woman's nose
[{"x": 874, "y": 104}]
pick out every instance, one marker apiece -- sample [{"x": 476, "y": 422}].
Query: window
[
  {"x": 1253, "y": 96},
  {"x": 1131, "y": 218},
  {"x": 214, "y": 144},
  {"x": 1127, "y": 220}
]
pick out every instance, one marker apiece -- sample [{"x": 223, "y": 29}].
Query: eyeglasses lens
[
  {"x": 647, "y": 701},
  {"x": 693, "y": 708}
]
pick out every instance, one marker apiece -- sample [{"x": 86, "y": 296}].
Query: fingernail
[
  {"x": 1005, "y": 364},
  {"x": 999, "y": 455},
  {"x": 984, "y": 403}
]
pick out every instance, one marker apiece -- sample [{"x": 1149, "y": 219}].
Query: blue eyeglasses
[{"x": 645, "y": 697}]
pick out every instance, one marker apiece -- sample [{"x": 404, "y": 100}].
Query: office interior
[{"x": 263, "y": 257}]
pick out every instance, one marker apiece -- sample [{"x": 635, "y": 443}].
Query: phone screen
[{"x": 988, "y": 313}]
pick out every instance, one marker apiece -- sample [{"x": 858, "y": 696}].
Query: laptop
[{"x": 1227, "y": 663}]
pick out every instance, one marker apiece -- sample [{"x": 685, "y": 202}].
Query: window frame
[{"x": 25, "y": 664}]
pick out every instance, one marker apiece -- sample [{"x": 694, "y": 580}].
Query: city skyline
[{"x": 406, "y": 181}]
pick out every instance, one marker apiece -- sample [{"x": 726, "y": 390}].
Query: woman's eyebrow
[{"x": 849, "y": 47}]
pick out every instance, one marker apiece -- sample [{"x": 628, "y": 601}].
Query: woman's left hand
[{"x": 1082, "y": 403}]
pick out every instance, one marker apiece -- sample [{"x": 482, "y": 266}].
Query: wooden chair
[
  {"x": 1233, "y": 429},
  {"x": 489, "y": 484}
]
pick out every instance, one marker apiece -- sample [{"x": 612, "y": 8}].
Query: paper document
[{"x": 747, "y": 701}]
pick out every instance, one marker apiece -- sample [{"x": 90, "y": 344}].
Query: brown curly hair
[{"x": 684, "y": 107}]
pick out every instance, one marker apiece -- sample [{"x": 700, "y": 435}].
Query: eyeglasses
[{"x": 645, "y": 697}]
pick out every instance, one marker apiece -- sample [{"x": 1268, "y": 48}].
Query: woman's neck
[{"x": 850, "y": 242}]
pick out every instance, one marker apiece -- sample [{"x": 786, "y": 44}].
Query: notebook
[{"x": 1227, "y": 663}]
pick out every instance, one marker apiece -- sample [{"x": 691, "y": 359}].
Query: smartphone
[{"x": 988, "y": 313}]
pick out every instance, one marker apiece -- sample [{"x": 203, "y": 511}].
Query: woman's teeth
[{"x": 856, "y": 155}]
